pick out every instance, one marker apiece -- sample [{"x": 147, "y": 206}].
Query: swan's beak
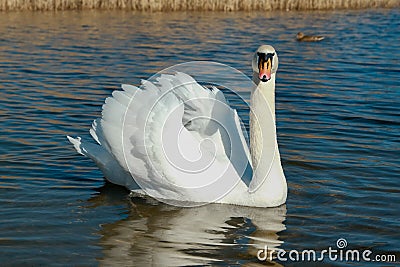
[{"x": 264, "y": 67}]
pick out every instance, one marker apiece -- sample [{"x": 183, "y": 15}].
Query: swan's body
[
  {"x": 308, "y": 38},
  {"x": 180, "y": 142}
]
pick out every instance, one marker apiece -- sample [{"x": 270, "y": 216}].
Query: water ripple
[{"x": 337, "y": 120}]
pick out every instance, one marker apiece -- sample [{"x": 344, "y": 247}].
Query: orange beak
[{"x": 264, "y": 69}]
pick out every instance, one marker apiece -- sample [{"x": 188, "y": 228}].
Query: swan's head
[{"x": 265, "y": 62}]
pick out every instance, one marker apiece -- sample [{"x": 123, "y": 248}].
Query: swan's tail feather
[
  {"x": 105, "y": 161},
  {"x": 93, "y": 131},
  {"x": 96, "y": 152},
  {"x": 77, "y": 144},
  {"x": 98, "y": 135}
]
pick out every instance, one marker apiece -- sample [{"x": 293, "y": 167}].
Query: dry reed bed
[{"x": 198, "y": 5}]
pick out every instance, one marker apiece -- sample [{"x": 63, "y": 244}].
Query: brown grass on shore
[{"x": 198, "y": 5}]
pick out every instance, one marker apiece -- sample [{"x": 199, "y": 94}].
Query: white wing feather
[{"x": 160, "y": 131}]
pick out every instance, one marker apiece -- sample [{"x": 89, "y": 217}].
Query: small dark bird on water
[{"x": 308, "y": 38}]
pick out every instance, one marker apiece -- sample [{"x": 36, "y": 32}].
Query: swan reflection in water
[{"x": 161, "y": 235}]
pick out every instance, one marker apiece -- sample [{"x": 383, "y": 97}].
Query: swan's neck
[
  {"x": 262, "y": 118},
  {"x": 268, "y": 179},
  {"x": 267, "y": 90}
]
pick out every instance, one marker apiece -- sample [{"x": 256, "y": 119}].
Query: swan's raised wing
[
  {"x": 206, "y": 112},
  {"x": 177, "y": 139}
]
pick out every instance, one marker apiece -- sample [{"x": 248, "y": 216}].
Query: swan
[
  {"x": 308, "y": 38},
  {"x": 181, "y": 143}
]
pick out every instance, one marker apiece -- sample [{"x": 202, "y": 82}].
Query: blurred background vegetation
[{"x": 195, "y": 5}]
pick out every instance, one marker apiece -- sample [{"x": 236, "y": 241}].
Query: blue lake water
[{"x": 337, "y": 122}]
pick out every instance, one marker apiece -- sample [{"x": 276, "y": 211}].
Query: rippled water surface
[{"x": 337, "y": 121}]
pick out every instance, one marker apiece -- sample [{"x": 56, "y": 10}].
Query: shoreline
[{"x": 194, "y": 5}]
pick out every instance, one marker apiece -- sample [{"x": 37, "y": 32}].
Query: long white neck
[
  {"x": 262, "y": 121},
  {"x": 268, "y": 180},
  {"x": 267, "y": 89}
]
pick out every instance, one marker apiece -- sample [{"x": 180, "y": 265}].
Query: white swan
[{"x": 181, "y": 143}]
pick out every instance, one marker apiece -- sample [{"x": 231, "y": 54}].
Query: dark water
[{"x": 337, "y": 119}]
